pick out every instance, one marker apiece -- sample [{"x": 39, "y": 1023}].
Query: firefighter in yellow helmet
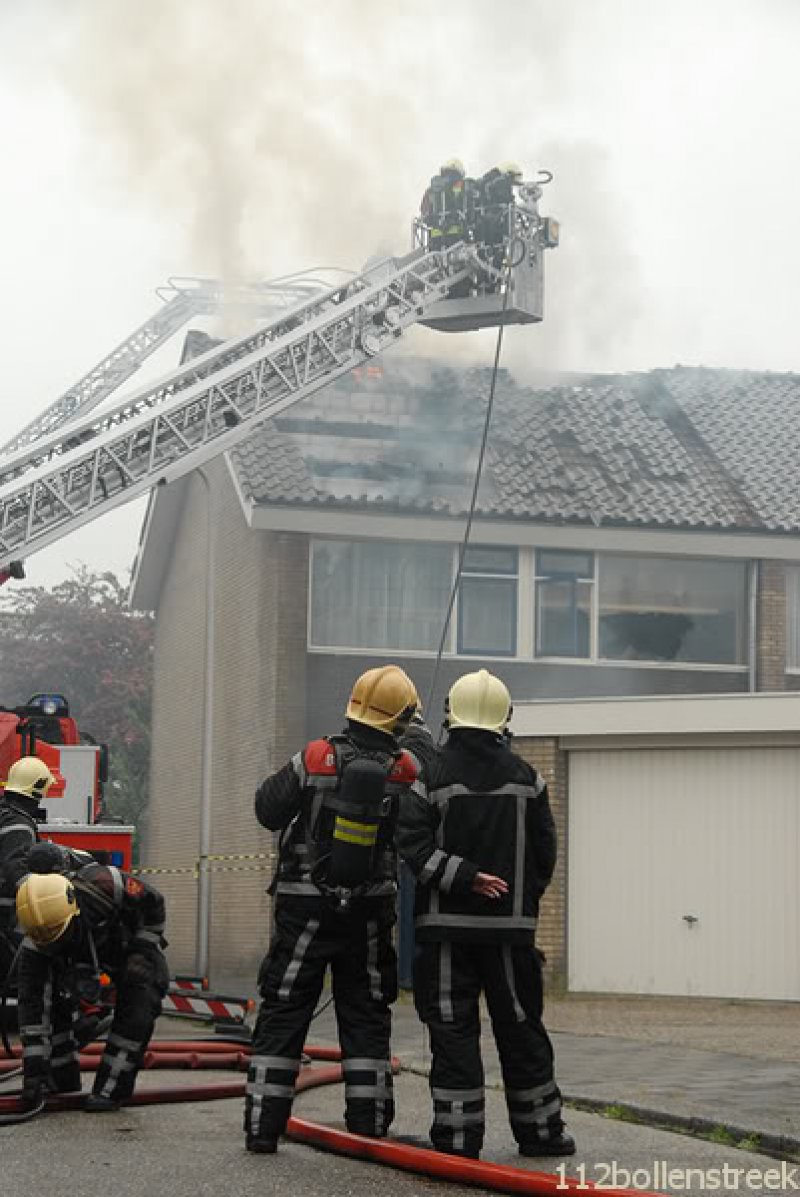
[
  {"x": 28, "y": 781},
  {"x": 46, "y": 905},
  {"x": 81, "y": 918},
  {"x": 444, "y": 205},
  {"x": 336, "y": 805},
  {"x": 481, "y": 843}
]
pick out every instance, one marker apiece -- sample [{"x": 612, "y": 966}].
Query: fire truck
[{"x": 74, "y": 806}]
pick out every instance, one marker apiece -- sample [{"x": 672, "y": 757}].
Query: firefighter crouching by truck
[
  {"x": 336, "y": 805},
  {"x": 98, "y": 918},
  {"x": 481, "y": 843}
]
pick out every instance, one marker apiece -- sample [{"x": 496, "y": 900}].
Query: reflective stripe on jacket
[
  {"x": 292, "y": 801},
  {"x": 485, "y": 810}
]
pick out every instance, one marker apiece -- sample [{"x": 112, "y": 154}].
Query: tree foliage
[{"x": 81, "y": 640}]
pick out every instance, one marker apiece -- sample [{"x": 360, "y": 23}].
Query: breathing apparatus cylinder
[{"x": 359, "y": 805}]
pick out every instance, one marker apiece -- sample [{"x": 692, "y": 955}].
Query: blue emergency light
[{"x": 49, "y": 704}]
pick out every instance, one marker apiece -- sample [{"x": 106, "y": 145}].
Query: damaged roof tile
[{"x": 683, "y": 447}]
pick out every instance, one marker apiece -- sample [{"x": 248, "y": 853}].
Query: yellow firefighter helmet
[
  {"x": 513, "y": 170},
  {"x": 453, "y": 166},
  {"x": 46, "y": 905},
  {"x": 478, "y": 700},
  {"x": 384, "y": 698},
  {"x": 29, "y": 776}
]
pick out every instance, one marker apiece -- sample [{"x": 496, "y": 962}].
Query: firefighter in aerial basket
[
  {"x": 335, "y": 888},
  {"x": 482, "y": 845},
  {"x": 443, "y": 205},
  {"x": 91, "y": 920}
]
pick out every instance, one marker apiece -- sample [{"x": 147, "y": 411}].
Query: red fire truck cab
[{"x": 74, "y": 805}]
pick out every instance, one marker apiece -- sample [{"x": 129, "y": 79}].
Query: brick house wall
[
  {"x": 258, "y": 708},
  {"x": 172, "y": 830},
  {"x": 771, "y": 630}
]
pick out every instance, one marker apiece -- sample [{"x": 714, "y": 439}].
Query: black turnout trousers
[
  {"x": 48, "y": 1011},
  {"x": 309, "y": 935},
  {"x": 448, "y": 981},
  {"x": 137, "y": 1006}
]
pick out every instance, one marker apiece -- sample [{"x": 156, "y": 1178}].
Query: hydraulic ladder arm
[
  {"x": 184, "y": 299},
  {"x": 70, "y": 478}
]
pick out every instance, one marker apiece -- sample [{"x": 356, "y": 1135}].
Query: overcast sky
[{"x": 253, "y": 137}]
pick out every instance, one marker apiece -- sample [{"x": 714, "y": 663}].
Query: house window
[
  {"x": 564, "y": 584},
  {"x": 672, "y": 609},
  {"x": 793, "y": 617},
  {"x": 487, "y": 603},
  {"x": 379, "y": 595}
]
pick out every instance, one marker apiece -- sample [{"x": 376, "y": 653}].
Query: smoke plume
[{"x": 275, "y": 138}]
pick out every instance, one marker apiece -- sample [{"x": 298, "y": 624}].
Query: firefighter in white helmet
[
  {"x": 28, "y": 781},
  {"x": 90, "y": 918},
  {"x": 481, "y": 843},
  {"x": 495, "y": 196},
  {"x": 336, "y": 806}
]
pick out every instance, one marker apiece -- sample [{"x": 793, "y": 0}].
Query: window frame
[
  {"x": 353, "y": 649},
  {"x": 644, "y": 663},
  {"x": 451, "y": 649},
  {"x": 512, "y": 578},
  {"x": 591, "y": 657},
  {"x": 526, "y": 600}
]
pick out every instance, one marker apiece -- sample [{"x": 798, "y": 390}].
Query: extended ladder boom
[
  {"x": 188, "y": 298},
  {"x": 195, "y": 413}
]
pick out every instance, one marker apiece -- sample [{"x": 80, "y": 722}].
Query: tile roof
[
  {"x": 678, "y": 448},
  {"x": 750, "y": 422}
]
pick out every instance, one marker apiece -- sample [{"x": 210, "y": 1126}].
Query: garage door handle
[{"x": 690, "y": 920}]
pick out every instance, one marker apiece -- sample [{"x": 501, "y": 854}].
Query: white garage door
[{"x": 684, "y": 872}]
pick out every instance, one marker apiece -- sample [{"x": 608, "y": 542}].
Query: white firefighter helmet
[
  {"x": 513, "y": 170},
  {"x": 478, "y": 700},
  {"x": 453, "y": 166},
  {"x": 29, "y": 776}
]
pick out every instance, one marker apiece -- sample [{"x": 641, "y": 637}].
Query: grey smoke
[{"x": 273, "y": 138}]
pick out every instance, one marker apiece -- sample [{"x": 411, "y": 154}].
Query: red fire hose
[{"x": 198, "y": 1054}]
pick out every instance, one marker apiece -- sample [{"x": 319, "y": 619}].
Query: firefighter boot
[
  {"x": 97, "y": 1104},
  {"x": 562, "y": 1144},
  {"x": 262, "y": 1144}
]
